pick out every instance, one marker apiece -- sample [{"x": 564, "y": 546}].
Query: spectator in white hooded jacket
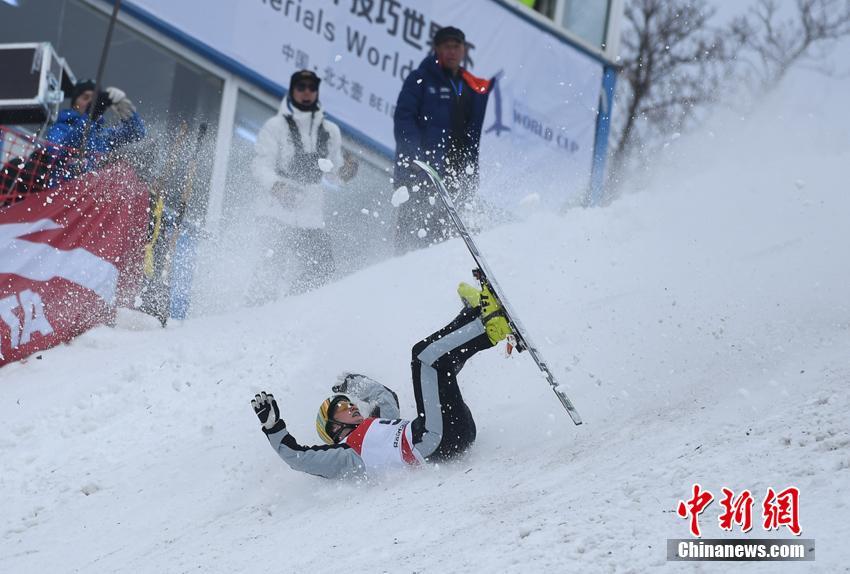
[{"x": 295, "y": 150}]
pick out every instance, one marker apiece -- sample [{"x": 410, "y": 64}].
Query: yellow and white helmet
[{"x": 329, "y": 429}]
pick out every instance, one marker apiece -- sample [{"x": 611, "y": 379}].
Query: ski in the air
[{"x": 485, "y": 276}]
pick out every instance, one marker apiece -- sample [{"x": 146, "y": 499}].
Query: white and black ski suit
[{"x": 443, "y": 428}]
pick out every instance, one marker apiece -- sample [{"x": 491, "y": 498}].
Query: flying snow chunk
[
  {"x": 337, "y": 58},
  {"x": 469, "y": 170},
  {"x": 415, "y": 188},
  {"x": 421, "y": 233},
  {"x": 365, "y": 211},
  {"x": 530, "y": 200},
  {"x": 400, "y": 196},
  {"x": 325, "y": 164},
  {"x": 432, "y": 200}
]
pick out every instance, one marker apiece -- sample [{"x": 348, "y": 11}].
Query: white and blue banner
[{"x": 541, "y": 118}]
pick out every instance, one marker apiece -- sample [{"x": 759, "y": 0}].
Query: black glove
[{"x": 268, "y": 412}]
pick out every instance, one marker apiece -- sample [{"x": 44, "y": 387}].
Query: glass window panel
[
  {"x": 587, "y": 19},
  {"x": 545, "y": 7},
  {"x": 31, "y": 21},
  {"x": 251, "y": 114}
]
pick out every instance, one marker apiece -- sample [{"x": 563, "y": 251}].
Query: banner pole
[{"x": 99, "y": 77}]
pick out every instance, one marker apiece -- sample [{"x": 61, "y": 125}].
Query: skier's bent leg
[{"x": 444, "y": 426}]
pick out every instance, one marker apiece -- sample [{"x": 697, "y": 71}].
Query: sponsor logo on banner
[
  {"x": 542, "y": 112},
  {"x": 498, "y": 126},
  {"x": 67, "y": 257}
]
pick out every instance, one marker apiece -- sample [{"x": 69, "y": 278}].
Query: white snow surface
[{"x": 702, "y": 329}]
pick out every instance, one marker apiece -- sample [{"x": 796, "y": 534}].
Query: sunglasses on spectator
[{"x": 306, "y": 86}]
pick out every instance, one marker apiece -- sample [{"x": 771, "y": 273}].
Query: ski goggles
[
  {"x": 335, "y": 428},
  {"x": 338, "y": 407}
]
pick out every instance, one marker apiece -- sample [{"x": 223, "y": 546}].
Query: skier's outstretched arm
[
  {"x": 329, "y": 461},
  {"x": 365, "y": 389}
]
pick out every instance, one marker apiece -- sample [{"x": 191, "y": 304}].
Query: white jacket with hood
[{"x": 300, "y": 204}]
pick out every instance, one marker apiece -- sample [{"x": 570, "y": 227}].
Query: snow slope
[{"x": 702, "y": 329}]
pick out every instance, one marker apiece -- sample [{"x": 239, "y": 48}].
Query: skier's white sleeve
[
  {"x": 374, "y": 393},
  {"x": 328, "y": 461}
]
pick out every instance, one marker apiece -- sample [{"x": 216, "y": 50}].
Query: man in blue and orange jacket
[{"x": 438, "y": 119}]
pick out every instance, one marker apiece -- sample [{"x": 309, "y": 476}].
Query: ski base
[{"x": 484, "y": 275}]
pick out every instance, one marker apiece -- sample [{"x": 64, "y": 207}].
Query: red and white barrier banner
[{"x": 68, "y": 257}]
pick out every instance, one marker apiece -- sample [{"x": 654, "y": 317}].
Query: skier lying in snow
[{"x": 444, "y": 427}]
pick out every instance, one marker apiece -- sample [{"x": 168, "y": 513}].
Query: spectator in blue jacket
[
  {"x": 68, "y": 131},
  {"x": 438, "y": 119}
]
